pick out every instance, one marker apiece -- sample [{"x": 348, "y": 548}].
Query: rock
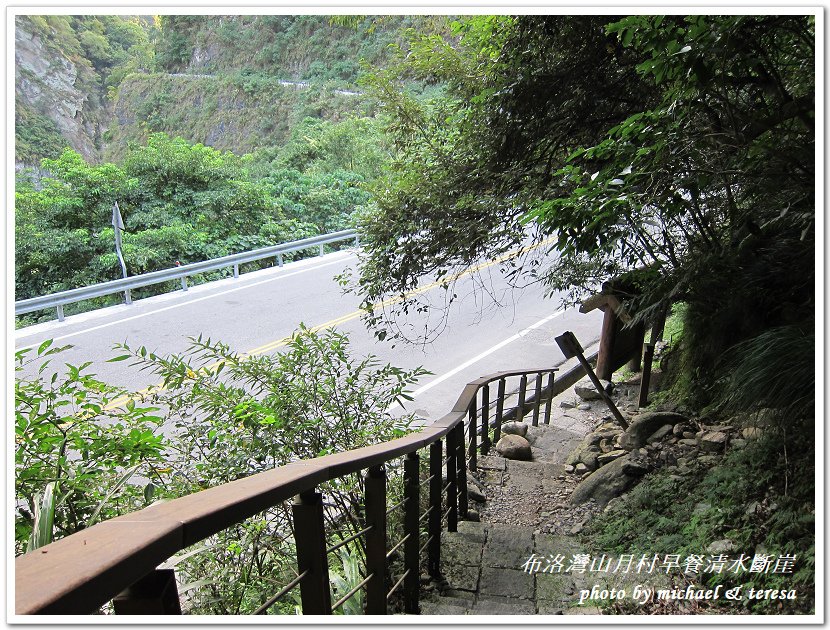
[
  {"x": 580, "y": 469},
  {"x": 585, "y": 452},
  {"x": 473, "y": 515},
  {"x": 514, "y": 428},
  {"x": 586, "y": 391},
  {"x": 514, "y": 447},
  {"x": 645, "y": 424},
  {"x": 607, "y": 458},
  {"x": 569, "y": 468},
  {"x": 609, "y": 481},
  {"x": 605, "y": 447},
  {"x": 584, "y": 407},
  {"x": 688, "y": 435},
  {"x": 565, "y": 404},
  {"x": 659, "y": 434},
  {"x": 576, "y": 529},
  {"x": 687, "y": 442},
  {"x": 701, "y": 508},
  {"x": 681, "y": 428},
  {"x": 751, "y": 433},
  {"x": 713, "y": 442},
  {"x": 474, "y": 494},
  {"x": 721, "y": 546}
]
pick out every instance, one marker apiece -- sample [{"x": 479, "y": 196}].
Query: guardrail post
[
  {"x": 376, "y": 540},
  {"x": 499, "y": 411},
  {"x": 321, "y": 249},
  {"x": 473, "y": 431},
  {"x": 434, "y": 520},
  {"x": 236, "y": 271},
  {"x": 537, "y": 400},
  {"x": 154, "y": 594},
  {"x": 520, "y": 408},
  {"x": 412, "y": 492},
  {"x": 279, "y": 260},
  {"x": 452, "y": 481},
  {"x": 184, "y": 283},
  {"x": 485, "y": 419},
  {"x": 60, "y": 312},
  {"x": 310, "y": 539},
  {"x": 128, "y": 298},
  {"x": 549, "y": 401}
]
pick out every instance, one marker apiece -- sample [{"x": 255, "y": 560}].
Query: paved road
[{"x": 486, "y": 330}]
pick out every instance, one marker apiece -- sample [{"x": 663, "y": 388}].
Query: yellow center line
[{"x": 279, "y": 343}]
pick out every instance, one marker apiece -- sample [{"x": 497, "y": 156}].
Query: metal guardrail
[{"x": 125, "y": 285}]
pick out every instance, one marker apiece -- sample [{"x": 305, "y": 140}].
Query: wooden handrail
[{"x": 80, "y": 573}]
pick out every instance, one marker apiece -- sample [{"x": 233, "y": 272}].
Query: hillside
[{"x": 238, "y": 83}]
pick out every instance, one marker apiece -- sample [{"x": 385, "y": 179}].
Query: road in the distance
[{"x": 486, "y": 330}]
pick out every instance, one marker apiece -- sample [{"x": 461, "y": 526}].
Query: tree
[{"x": 674, "y": 150}]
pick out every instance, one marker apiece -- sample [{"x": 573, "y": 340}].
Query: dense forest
[{"x": 669, "y": 159}]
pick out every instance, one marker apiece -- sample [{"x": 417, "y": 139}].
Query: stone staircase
[{"x": 482, "y": 563}]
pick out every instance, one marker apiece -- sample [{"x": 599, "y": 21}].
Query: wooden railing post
[
  {"x": 452, "y": 477},
  {"x": 473, "y": 430},
  {"x": 549, "y": 401},
  {"x": 537, "y": 399},
  {"x": 434, "y": 520},
  {"x": 154, "y": 594},
  {"x": 376, "y": 540},
  {"x": 461, "y": 464},
  {"x": 412, "y": 546},
  {"x": 485, "y": 419},
  {"x": 520, "y": 408},
  {"x": 310, "y": 539},
  {"x": 499, "y": 411}
]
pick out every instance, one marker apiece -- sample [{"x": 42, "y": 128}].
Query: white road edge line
[
  {"x": 167, "y": 308},
  {"x": 484, "y": 354}
]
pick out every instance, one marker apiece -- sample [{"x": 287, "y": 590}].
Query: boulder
[
  {"x": 514, "y": 428},
  {"x": 586, "y": 451},
  {"x": 475, "y": 494},
  {"x": 713, "y": 442},
  {"x": 607, "y": 458},
  {"x": 645, "y": 424},
  {"x": 586, "y": 391},
  {"x": 720, "y": 546},
  {"x": 609, "y": 481},
  {"x": 659, "y": 434},
  {"x": 751, "y": 433},
  {"x": 514, "y": 447}
]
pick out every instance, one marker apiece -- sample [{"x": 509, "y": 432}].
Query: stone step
[{"x": 503, "y": 606}]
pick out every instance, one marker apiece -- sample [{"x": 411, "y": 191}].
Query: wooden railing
[{"x": 117, "y": 560}]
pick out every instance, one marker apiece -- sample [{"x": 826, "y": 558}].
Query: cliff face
[
  {"x": 96, "y": 83},
  {"x": 53, "y": 97}
]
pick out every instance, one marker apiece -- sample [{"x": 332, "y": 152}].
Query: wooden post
[
  {"x": 499, "y": 411},
  {"x": 549, "y": 401},
  {"x": 434, "y": 518},
  {"x": 461, "y": 464},
  {"x": 452, "y": 483},
  {"x": 375, "y": 482},
  {"x": 485, "y": 419},
  {"x": 310, "y": 539},
  {"x": 537, "y": 399},
  {"x": 571, "y": 348},
  {"x": 639, "y": 334},
  {"x": 607, "y": 337},
  {"x": 520, "y": 408},
  {"x": 473, "y": 429},
  {"x": 658, "y": 326},
  {"x": 412, "y": 546},
  {"x": 154, "y": 594},
  {"x": 648, "y": 357}
]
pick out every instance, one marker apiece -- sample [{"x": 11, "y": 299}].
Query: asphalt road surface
[{"x": 490, "y": 327}]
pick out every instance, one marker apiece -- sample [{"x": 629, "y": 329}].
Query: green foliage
[
  {"x": 72, "y": 450},
  {"x": 231, "y": 416},
  {"x": 760, "y": 497}
]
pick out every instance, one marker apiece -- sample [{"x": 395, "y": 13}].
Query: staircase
[{"x": 482, "y": 563}]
